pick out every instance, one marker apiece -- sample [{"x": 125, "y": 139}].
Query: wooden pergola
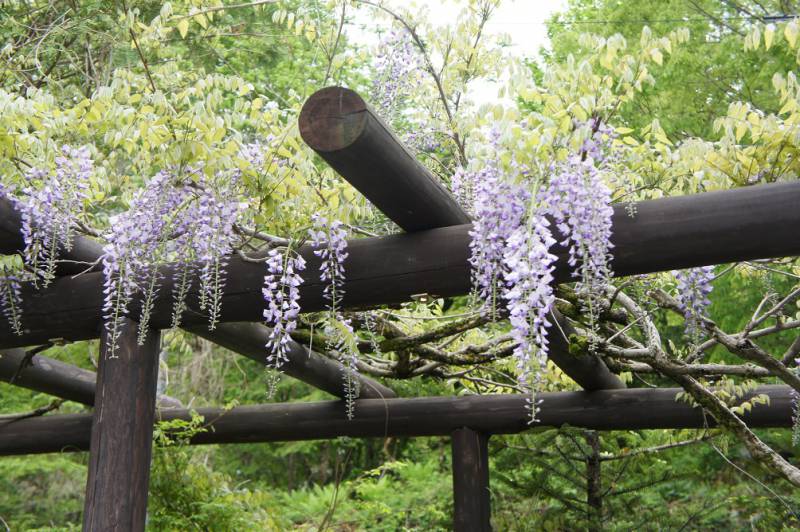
[{"x": 430, "y": 257}]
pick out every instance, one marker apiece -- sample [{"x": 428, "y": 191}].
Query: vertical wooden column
[
  {"x": 472, "y": 508},
  {"x": 122, "y": 433}
]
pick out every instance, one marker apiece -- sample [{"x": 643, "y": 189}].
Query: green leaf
[{"x": 183, "y": 27}]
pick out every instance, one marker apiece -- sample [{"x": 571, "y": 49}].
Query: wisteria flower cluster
[
  {"x": 397, "y": 68},
  {"x": 396, "y": 65},
  {"x": 342, "y": 344},
  {"x": 11, "y": 299},
  {"x": 499, "y": 209},
  {"x": 529, "y": 278},
  {"x": 796, "y": 408},
  {"x": 51, "y": 203},
  {"x": 170, "y": 219},
  {"x": 512, "y": 239},
  {"x": 282, "y": 297},
  {"x": 462, "y": 184},
  {"x": 214, "y": 214},
  {"x": 329, "y": 240},
  {"x": 580, "y": 204},
  {"x": 694, "y": 286}
]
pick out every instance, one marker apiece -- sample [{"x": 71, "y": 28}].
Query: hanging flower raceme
[
  {"x": 282, "y": 297},
  {"x": 694, "y": 286},
  {"x": 462, "y": 183},
  {"x": 329, "y": 240},
  {"x": 189, "y": 223},
  {"x": 130, "y": 257},
  {"x": 51, "y": 203},
  {"x": 215, "y": 213},
  {"x": 396, "y": 63},
  {"x": 10, "y": 293},
  {"x": 499, "y": 208},
  {"x": 343, "y": 345},
  {"x": 11, "y": 300},
  {"x": 529, "y": 278},
  {"x": 796, "y": 408},
  {"x": 580, "y": 204}
]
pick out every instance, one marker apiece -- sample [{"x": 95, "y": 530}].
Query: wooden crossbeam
[
  {"x": 245, "y": 339},
  {"x": 677, "y": 232},
  {"x": 48, "y": 375},
  {"x": 629, "y": 409}
]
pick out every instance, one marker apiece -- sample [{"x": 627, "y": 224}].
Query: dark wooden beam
[
  {"x": 630, "y": 409},
  {"x": 471, "y": 497},
  {"x": 245, "y": 339},
  {"x": 48, "y": 375},
  {"x": 249, "y": 339},
  {"x": 122, "y": 433},
  {"x": 677, "y": 232},
  {"x": 339, "y": 125}
]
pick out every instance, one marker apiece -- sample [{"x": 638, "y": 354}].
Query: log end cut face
[{"x": 332, "y": 119}]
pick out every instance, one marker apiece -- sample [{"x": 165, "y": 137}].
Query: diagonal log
[
  {"x": 339, "y": 125},
  {"x": 628, "y": 409},
  {"x": 677, "y": 232},
  {"x": 51, "y": 376},
  {"x": 248, "y": 340}
]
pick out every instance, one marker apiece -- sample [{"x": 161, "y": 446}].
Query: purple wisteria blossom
[
  {"x": 329, "y": 240},
  {"x": 282, "y": 297},
  {"x": 52, "y": 202},
  {"x": 11, "y": 300},
  {"x": 396, "y": 65},
  {"x": 694, "y": 286},
  {"x": 130, "y": 257},
  {"x": 796, "y": 408},
  {"x": 529, "y": 278},
  {"x": 462, "y": 183},
  {"x": 189, "y": 222},
  {"x": 499, "y": 208},
  {"x": 580, "y": 204},
  {"x": 214, "y": 215},
  {"x": 397, "y": 68},
  {"x": 342, "y": 345}
]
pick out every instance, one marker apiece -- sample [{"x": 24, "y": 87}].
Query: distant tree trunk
[{"x": 594, "y": 496}]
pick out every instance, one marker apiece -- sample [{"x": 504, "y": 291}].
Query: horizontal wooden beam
[
  {"x": 630, "y": 409},
  {"x": 245, "y": 339},
  {"x": 48, "y": 375},
  {"x": 345, "y": 131},
  {"x": 677, "y": 232}
]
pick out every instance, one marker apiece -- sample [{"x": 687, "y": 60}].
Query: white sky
[{"x": 522, "y": 20}]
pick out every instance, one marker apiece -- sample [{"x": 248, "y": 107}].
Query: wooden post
[
  {"x": 122, "y": 433},
  {"x": 472, "y": 506}
]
